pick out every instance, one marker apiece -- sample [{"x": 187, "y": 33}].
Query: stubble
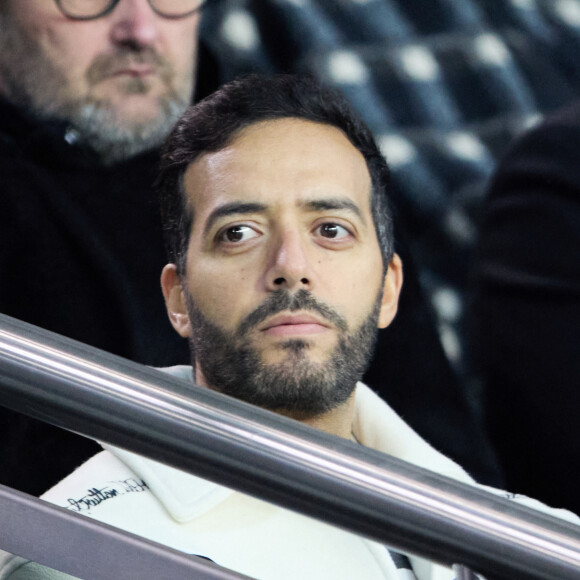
[{"x": 230, "y": 364}]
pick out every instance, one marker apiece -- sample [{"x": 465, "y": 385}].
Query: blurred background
[{"x": 445, "y": 85}]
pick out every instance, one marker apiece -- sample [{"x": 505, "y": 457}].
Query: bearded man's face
[
  {"x": 283, "y": 285},
  {"x": 121, "y": 80}
]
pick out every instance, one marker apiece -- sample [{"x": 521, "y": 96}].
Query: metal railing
[
  {"x": 85, "y": 548},
  {"x": 411, "y": 509}
]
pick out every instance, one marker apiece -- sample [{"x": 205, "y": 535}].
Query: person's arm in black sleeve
[{"x": 526, "y": 312}]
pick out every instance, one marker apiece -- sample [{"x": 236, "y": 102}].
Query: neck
[{"x": 337, "y": 421}]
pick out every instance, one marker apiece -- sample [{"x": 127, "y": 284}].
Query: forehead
[{"x": 277, "y": 163}]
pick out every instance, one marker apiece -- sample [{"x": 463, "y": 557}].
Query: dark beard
[{"x": 298, "y": 385}]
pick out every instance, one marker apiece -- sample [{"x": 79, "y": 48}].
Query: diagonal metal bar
[
  {"x": 260, "y": 453},
  {"x": 41, "y": 532}
]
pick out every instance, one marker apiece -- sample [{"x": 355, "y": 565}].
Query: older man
[
  {"x": 282, "y": 271},
  {"x": 88, "y": 91}
]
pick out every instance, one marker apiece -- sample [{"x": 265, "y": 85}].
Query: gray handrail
[
  {"x": 41, "y": 532},
  {"x": 260, "y": 453}
]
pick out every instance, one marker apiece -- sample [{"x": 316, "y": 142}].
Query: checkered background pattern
[{"x": 444, "y": 84}]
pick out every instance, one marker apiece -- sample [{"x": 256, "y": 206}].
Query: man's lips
[
  {"x": 136, "y": 71},
  {"x": 293, "y": 325}
]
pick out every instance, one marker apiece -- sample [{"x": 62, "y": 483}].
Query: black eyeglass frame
[{"x": 113, "y": 4}]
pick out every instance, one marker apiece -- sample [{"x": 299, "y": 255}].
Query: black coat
[
  {"x": 526, "y": 311},
  {"x": 80, "y": 254}
]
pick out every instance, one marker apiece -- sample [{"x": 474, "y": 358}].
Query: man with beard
[
  {"x": 88, "y": 89},
  {"x": 282, "y": 269},
  {"x": 88, "y": 92}
]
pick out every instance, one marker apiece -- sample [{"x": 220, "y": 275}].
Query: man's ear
[
  {"x": 175, "y": 300},
  {"x": 391, "y": 290}
]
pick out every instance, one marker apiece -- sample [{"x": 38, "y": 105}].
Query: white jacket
[{"x": 235, "y": 530}]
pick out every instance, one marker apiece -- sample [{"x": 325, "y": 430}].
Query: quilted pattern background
[{"x": 444, "y": 84}]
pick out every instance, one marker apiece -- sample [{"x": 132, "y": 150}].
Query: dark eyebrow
[
  {"x": 232, "y": 208},
  {"x": 333, "y": 203}
]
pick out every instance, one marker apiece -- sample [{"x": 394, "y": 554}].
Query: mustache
[
  {"x": 282, "y": 300},
  {"x": 106, "y": 65}
]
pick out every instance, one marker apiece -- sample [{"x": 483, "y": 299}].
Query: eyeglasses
[{"x": 91, "y": 9}]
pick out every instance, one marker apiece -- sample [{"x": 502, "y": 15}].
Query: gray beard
[
  {"x": 230, "y": 365},
  {"x": 96, "y": 126},
  {"x": 33, "y": 83}
]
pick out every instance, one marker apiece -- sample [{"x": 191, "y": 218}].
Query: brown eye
[
  {"x": 333, "y": 231},
  {"x": 236, "y": 234}
]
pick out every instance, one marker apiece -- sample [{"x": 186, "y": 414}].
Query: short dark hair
[{"x": 214, "y": 123}]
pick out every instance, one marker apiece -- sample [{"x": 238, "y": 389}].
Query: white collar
[{"x": 375, "y": 425}]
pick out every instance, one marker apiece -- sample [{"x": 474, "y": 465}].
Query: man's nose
[
  {"x": 134, "y": 23},
  {"x": 290, "y": 264}
]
